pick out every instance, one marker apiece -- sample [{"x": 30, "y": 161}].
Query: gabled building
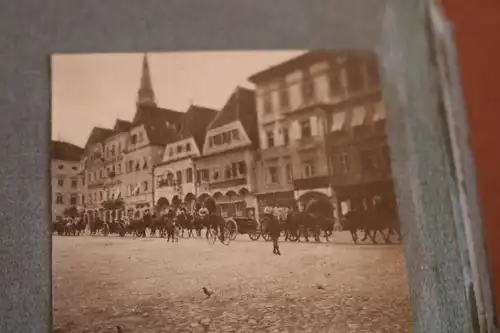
[
  {"x": 175, "y": 174},
  {"x": 151, "y": 129},
  {"x": 65, "y": 167},
  {"x": 95, "y": 170},
  {"x": 295, "y": 101},
  {"x": 225, "y": 171}
]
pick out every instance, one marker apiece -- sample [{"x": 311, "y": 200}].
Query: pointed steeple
[{"x": 146, "y": 95}]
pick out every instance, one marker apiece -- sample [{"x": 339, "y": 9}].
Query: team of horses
[{"x": 316, "y": 221}]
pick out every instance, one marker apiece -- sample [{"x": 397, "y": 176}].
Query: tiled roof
[
  {"x": 65, "y": 151},
  {"x": 196, "y": 122},
  {"x": 305, "y": 59},
  {"x": 98, "y": 134},
  {"x": 122, "y": 126},
  {"x": 240, "y": 106},
  {"x": 155, "y": 121}
]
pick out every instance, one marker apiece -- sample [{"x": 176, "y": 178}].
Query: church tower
[{"x": 146, "y": 95}]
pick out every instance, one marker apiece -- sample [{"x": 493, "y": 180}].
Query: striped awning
[
  {"x": 338, "y": 121},
  {"x": 380, "y": 111},
  {"x": 358, "y": 116}
]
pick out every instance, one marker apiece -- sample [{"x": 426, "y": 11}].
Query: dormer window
[
  {"x": 141, "y": 137},
  {"x": 188, "y": 147},
  {"x": 133, "y": 139},
  {"x": 179, "y": 149},
  {"x": 235, "y": 135},
  {"x": 171, "y": 152}
]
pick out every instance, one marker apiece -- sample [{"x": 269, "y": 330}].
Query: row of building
[{"x": 314, "y": 126}]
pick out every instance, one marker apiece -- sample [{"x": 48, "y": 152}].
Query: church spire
[{"x": 146, "y": 95}]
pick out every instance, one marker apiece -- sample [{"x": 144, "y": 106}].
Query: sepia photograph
[{"x": 235, "y": 191}]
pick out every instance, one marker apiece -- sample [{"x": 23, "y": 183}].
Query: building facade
[
  {"x": 65, "y": 168},
  {"x": 175, "y": 174},
  {"x": 295, "y": 105},
  {"x": 225, "y": 171},
  {"x": 151, "y": 130}
]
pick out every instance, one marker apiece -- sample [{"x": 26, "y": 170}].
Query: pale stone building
[
  {"x": 151, "y": 129},
  {"x": 226, "y": 169},
  {"x": 175, "y": 174},
  {"x": 295, "y": 101},
  {"x": 65, "y": 167}
]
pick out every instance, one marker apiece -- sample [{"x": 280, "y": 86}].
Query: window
[
  {"x": 59, "y": 199},
  {"x": 270, "y": 139},
  {"x": 83, "y": 180},
  {"x": 355, "y": 81},
  {"x": 235, "y": 135},
  {"x": 305, "y": 128},
  {"x": 242, "y": 168},
  {"x": 82, "y": 198},
  {"x": 130, "y": 166},
  {"x": 119, "y": 147},
  {"x": 385, "y": 156},
  {"x": 74, "y": 168},
  {"x": 267, "y": 102},
  {"x": 204, "y": 175},
  {"x": 74, "y": 183},
  {"x": 95, "y": 196},
  {"x": 217, "y": 139},
  {"x": 226, "y": 137},
  {"x": 73, "y": 200},
  {"x": 309, "y": 169},
  {"x": 60, "y": 166},
  {"x": 141, "y": 137},
  {"x": 179, "y": 149},
  {"x": 273, "y": 175},
  {"x": 286, "y": 137},
  {"x": 367, "y": 160},
  {"x": 133, "y": 139},
  {"x": 188, "y": 147},
  {"x": 145, "y": 186},
  {"x": 145, "y": 164},
  {"x": 288, "y": 171},
  {"x": 215, "y": 175},
  {"x": 234, "y": 170},
  {"x": 284, "y": 97},
  {"x": 101, "y": 174},
  {"x": 119, "y": 167},
  {"x": 60, "y": 182},
  {"x": 334, "y": 82},
  {"x": 178, "y": 177},
  {"x": 189, "y": 175},
  {"x": 344, "y": 161},
  {"x": 308, "y": 92},
  {"x": 228, "y": 172},
  {"x": 171, "y": 152},
  {"x": 137, "y": 166},
  {"x": 90, "y": 177},
  {"x": 113, "y": 151}
]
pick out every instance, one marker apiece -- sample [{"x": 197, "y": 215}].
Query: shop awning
[
  {"x": 380, "y": 111},
  {"x": 358, "y": 116},
  {"x": 338, "y": 121}
]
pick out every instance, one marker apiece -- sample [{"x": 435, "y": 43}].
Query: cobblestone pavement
[{"x": 148, "y": 285}]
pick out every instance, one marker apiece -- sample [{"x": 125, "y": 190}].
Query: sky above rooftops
[{"x": 95, "y": 89}]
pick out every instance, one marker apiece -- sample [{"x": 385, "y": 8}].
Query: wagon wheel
[
  {"x": 232, "y": 228},
  {"x": 256, "y": 232},
  {"x": 227, "y": 236},
  {"x": 293, "y": 235},
  {"x": 211, "y": 236},
  {"x": 264, "y": 233},
  {"x": 193, "y": 233}
]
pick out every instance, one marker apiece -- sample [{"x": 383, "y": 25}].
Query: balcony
[
  {"x": 228, "y": 183},
  {"x": 311, "y": 183}
]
